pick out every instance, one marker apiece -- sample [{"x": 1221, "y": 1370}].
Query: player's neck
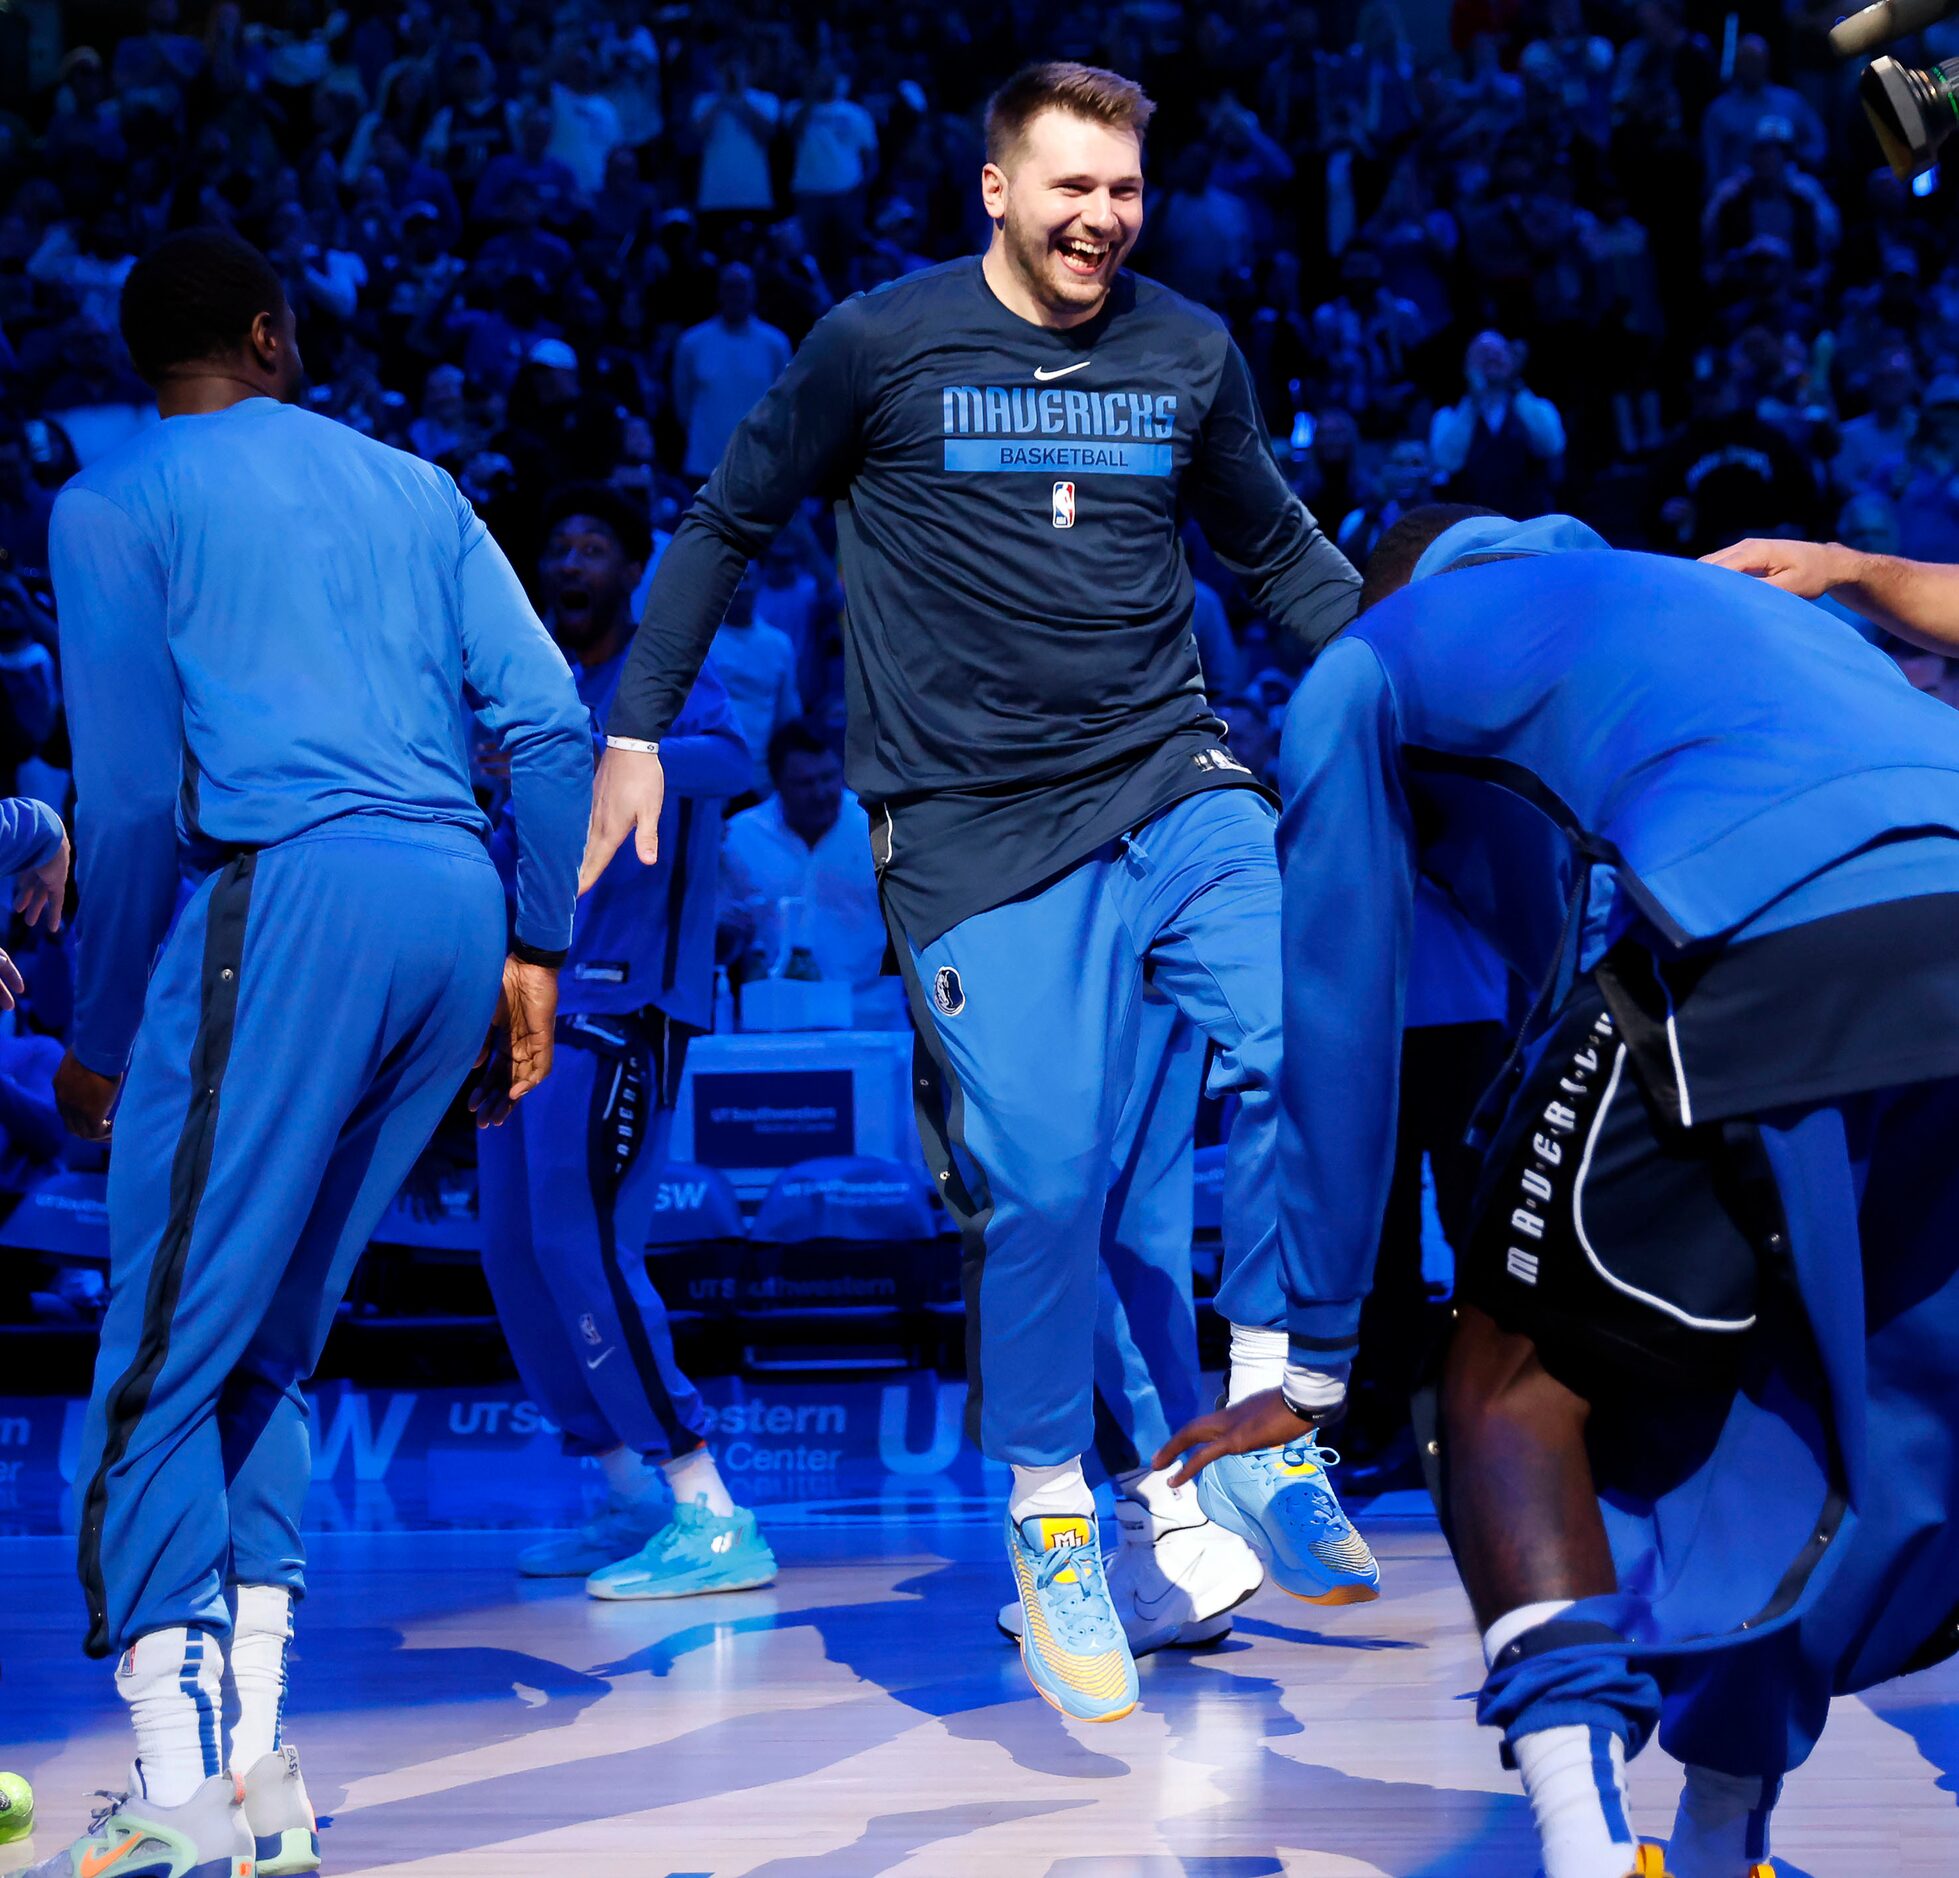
[
  {"x": 201, "y": 393},
  {"x": 1014, "y": 294}
]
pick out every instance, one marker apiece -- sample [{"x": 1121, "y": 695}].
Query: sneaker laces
[
  {"x": 113, "y": 1803},
  {"x": 1317, "y": 1507},
  {"x": 1079, "y": 1613}
]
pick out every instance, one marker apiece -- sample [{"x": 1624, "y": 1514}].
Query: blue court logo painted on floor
[{"x": 947, "y": 992}]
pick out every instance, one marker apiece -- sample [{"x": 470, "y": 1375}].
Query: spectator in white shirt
[
  {"x": 797, "y": 870},
  {"x": 1875, "y": 446},
  {"x": 758, "y": 669},
  {"x": 721, "y": 367},
  {"x": 584, "y": 125},
  {"x": 835, "y": 142},
  {"x": 736, "y": 125}
]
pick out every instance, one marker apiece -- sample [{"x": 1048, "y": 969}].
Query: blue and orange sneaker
[
  {"x": 1281, "y": 1502},
  {"x": 696, "y": 1552},
  {"x": 1071, "y": 1638},
  {"x": 129, "y": 1837}
]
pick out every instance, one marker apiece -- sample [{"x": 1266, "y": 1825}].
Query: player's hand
[
  {"x": 521, "y": 1036},
  {"x": 84, "y": 1098},
  {"x": 627, "y": 795},
  {"x": 1805, "y": 568},
  {"x": 39, "y": 892},
  {"x": 1260, "y": 1421},
  {"x": 13, "y": 987}
]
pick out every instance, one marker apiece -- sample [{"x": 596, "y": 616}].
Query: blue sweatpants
[
  {"x": 312, "y": 1016},
  {"x": 1146, "y": 1373},
  {"x": 568, "y": 1186},
  {"x": 1028, "y": 1016},
  {"x": 1812, "y": 1552}
]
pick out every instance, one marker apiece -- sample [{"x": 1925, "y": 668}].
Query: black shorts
[{"x": 1610, "y": 1235}]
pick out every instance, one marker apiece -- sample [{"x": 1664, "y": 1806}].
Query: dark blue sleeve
[
  {"x": 30, "y": 833},
  {"x": 1347, "y": 870},
  {"x": 800, "y": 440},
  {"x": 703, "y": 754},
  {"x": 522, "y": 690},
  {"x": 1256, "y": 526},
  {"x": 126, "y": 727}
]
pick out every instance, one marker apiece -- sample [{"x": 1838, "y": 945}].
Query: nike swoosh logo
[
  {"x": 1151, "y": 1606},
  {"x": 597, "y": 1360},
  {"x": 94, "y": 1862},
  {"x": 1043, "y": 374}
]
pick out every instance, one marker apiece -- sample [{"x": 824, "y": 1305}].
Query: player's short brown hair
[{"x": 1103, "y": 97}]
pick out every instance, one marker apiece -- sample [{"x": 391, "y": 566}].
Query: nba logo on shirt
[{"x": 1064, "y": 505}]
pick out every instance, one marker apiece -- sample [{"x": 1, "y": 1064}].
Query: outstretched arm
[{"x": 1916, "y": 600}]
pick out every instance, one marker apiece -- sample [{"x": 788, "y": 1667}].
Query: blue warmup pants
[
  {"x": 312, "y": 1016},
  {"x": 568, "y": 1187},
  {"x": 1146, "y": 1373},
  {"x": 1028, "y": 1016},
  {"x": 1849, "y": 1426}
]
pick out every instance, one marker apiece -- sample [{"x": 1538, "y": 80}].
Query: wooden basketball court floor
[{"x": 864, "y": 1717}]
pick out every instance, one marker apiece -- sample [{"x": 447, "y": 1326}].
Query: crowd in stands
[{"x": 1636, "y": 259}]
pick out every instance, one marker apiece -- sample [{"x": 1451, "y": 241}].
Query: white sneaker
[
  {"x": 1175, "y": 1577},
  {"x": 281, "y": 1816}
]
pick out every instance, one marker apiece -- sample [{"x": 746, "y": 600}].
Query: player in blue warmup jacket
[
  {"x": 1700, "y": 1441},
  {"x": 1011, "y": 441},
  {"x": 273, "y": 633},
  {"x": 568, "y": 1188}
]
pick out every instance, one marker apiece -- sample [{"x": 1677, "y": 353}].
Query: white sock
[
  {"x": 173, "y": 1681},
  {"x": 1050, "y": 1492},
  {"x": 628, "y": 1477},
  {"x": 695, "y": 1477},
  {"x": 260, "y": 1640},
  {"x": 1258, "y": 1362},
  {"x": 1576, "y": 1779},
  {"x": 1722, "y": 1827},
  {"x": 1151, "y": 1490},
  {"x": 1512, "y": 1625}
]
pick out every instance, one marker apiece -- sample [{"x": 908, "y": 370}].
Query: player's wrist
[
  {"x": 543, "y": 958},
  {"x": 638, "y": 746}
]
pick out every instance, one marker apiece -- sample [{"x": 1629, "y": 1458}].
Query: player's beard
[{"x": 1031, "y": 255}]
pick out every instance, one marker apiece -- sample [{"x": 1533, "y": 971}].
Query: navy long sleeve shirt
[
  {"x": 1023, "y": 679},
  {"x": 269, "y": 621}
]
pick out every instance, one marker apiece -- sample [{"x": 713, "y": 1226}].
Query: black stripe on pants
[
  {"x": 626, "y": 1081},
  {"x": 190, "y": 1167},
  {"x": 940, "y": 1104}
]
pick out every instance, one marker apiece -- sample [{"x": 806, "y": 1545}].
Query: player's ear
[
  {"x": 265, "y": 340},
  {"x": 993, "y": 192}
]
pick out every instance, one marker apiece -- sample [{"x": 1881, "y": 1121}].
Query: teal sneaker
[
  {"x": 617, "y": 1533},
  {"x": 1071, "y": 1639},
  {"x": 206, "y": 1837},
  {"x": 694, "y": 1553},
  {"x": 1281, "y": 1501}
]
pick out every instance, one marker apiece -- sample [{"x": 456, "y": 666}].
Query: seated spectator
[
  {"x": 736, "y": 124},
  {"x": 1499, "y": 446},
  {"x": 796, "y": 871},
  {"x": 554, "y": 187},
  {"x": 721, "y": 367},
  {"x": 758, "y": 669},
  {"x": 1364, "y": 337},
  {"x": 1407, "y": 480},
  {"x": 475, "y": 127},
  {"x": 1728, "y": 129},
  {"x": 1732, "y": 473},
  {"x": 1771, "y": 196},
  {"x": 1874, "y": 446}
]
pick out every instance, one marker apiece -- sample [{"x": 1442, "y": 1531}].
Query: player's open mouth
[{"x": 1083, "y": 257}]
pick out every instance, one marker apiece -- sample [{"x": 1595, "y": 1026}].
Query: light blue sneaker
[
  {"x": 694, "y": 1553},
  {"x": 1281, "y": 1501},
  {"x": 615, "y": 1534},
  {"x": 1071, "y": 1639}
]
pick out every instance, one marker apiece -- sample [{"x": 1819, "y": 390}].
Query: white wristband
[{"x": 633, "y": 743}]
